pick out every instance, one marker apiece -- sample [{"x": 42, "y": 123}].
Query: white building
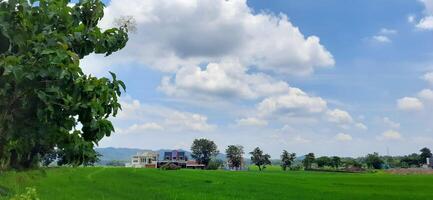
[{"x": 147, "y": 159}]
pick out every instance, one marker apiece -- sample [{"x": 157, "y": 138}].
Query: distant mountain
[{"x": 125, "y": 154}]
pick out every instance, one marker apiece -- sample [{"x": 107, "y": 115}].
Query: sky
[{"x": 331, "y": 77}]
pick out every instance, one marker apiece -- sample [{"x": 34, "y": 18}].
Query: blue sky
[{"x": 331, "y": 77}]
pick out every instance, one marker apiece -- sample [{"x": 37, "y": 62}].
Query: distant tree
[
  {"x": 425, "y": 153},
  {"x": 374, "y": 161},
  {"x": 323, "y": 161},
  {"x": 351, "y": 162},
  {"x": 234, "y": 155},
  {"x": 215, "y": 164},
  {"x": 410, "y": 160},
  {"x": 308, "y": 160},
  {"x": 287, "y": 160},
  {"x": 203, "y": 150},
  {"x": 260, "y": 159},
  {"x": 335, "y": 162}
]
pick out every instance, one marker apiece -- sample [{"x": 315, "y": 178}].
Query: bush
[
  {"x": 170, "y": 166},
  {"x": 30, "y": 194},
  {"x": 296, "y": 168},
  {"x": 215, "y": 164}
]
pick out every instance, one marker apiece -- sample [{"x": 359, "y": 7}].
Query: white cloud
[
  {"x": 156, "y": 118},
  {"x": 411, "y": 18},
  {"x": 428, "y": 77},
  {"x": 301, "y": 140},
  {"x": 343, "y": 137},
  {"x": 361, "y": 126},
  {"x": 390, "y": 135},
  {"x": 381, "y": 39},
  {"x": 386, "y": 31},
  {"x": 294, "y": 102},
  {"x": 426, "y": 94},
  {"x": 142, "y": 128},
  {"x": 175, "y": 33},
  {"x": 252, "y": 121},
  {"x": 227, "y": 80},
  {"x": 426, "y": 23},
  {"x": 388, "y": 122},
  {"x": 409, "y": 104},
  {"x": 339, "y": 116}
]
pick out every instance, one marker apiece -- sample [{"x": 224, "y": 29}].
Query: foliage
[
  {"x": 323, "y": 161},
  {"x": 30, "y": 194},
  {"x": 44, "y": 95},
  {"x": 287, "y": 160},
  {"x": 170, "y": 166},
  {"x": 335, "y": 162},
  {"x": 308, "y": 160},
  {"x": 351, "y": 162},
  {"x": 412, "y": 160},
  {"x": 425, "y": 153},
  {"x": 260, "y": 159},
  {"x": 203, "y": 150},
  {"x": 234, "y": 155},
  {"x": 215, "y": 164},
  {"x": 374, "y": 161},
  {"x": 116, "y": 163}
]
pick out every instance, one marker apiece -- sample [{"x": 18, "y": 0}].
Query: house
[
  {"x": 430, "y": 162},
  {"x": 176, "y": 157},
  {"x": 147, "y": 159}
]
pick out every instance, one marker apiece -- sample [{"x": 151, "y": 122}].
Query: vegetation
[
  {"x": 215, "y": 164},
  {"x": 234, "y": 155},
  {"x": 259, "y": 159},
  {"x": 287, "y": 160},
  {"x": 425, "y": 153},
  {"x": 374, "y": 161},
  {"x": 44, "y": 94},
  {"x": 203, "y": 150},
  {"x": 308, "y": 160},
  {"x": 129, "y": 183}
]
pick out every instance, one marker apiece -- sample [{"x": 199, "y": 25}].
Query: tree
[
  {"x": 234, "y": 155},
  {"x": 323, "y": 161},
  {"x": 47, "y": 103},
  {"x": 203, "y": 151},
  {"x": 425, "y": 153},
  {"x": 410, "y": 160},
  {"x": 287, "y": 159},
  {"x": 308, "y": 160},
  {"x": 335, "y": 162},
  {"x": 374, "y": 161},
  {"x": 260, "y": 159}
]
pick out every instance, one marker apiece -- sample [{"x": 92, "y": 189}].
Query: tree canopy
[
  {"x": 287, "y": 159},
  {"x": 48, "y": 106},
  {"x": 308, "y": 160},
  {"x": 203, "y": 151},
  {"x": 425, "y": 153},
  {"x": 234, "y": 155},
  {"x": 260, "y": 159}
]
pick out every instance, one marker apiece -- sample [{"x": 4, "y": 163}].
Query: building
[
  {"x": 147, "y": 159},
  {"x": 430, "y": 162},
  {"x": 176, "y": 157},
  {"x": 192, "y": 164}
]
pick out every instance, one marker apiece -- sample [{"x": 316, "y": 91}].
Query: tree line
[{"x": 204, "y": 152}]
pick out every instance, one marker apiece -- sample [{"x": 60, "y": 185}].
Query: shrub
[
  {"x": 215, "y": 164},
  {"x": 170, "y": 166},
  {"x": 30, "y": 194}
]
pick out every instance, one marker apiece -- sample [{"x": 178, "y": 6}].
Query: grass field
[{"x": 128, "y": 183}]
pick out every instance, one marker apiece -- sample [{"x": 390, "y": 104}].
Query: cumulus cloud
[
  {"x": 227, "y": 80},
  {"x": 390, "y": 135},
  {"x": 426, "y": 23},
  {"x": 361, "y": 126},
  {"x": 410, "y": 104},
  {"x": 175, "y": 33},
  {"x": 426, "y": 94},
  {"x": 388, "y": 122},
  {"x": 339, "y": 116},
  {"x": 428, "y": 77},
  {"x": 157, "y": 118},
  {"x": 252, "y": 121},
  {"x": 343, "y": 137},
  {"x": 381, "y": 39},
  {"x": 384, "y": 35}
]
